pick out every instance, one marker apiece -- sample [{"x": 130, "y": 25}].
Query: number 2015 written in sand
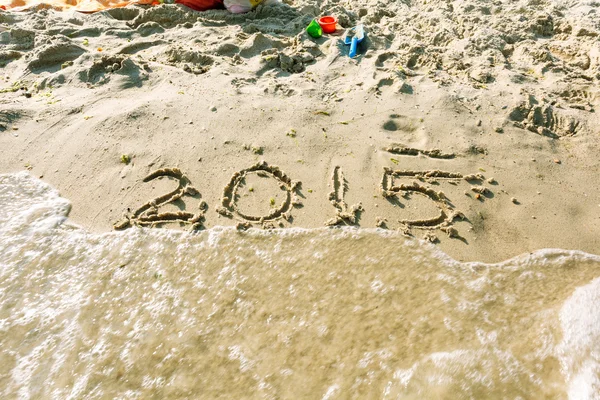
[{"x": 149, "y": 214}]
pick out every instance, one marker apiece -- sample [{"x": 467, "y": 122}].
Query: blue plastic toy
[{"x": 353, "y": 37}]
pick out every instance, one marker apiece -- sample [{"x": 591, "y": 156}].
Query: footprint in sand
[
  {"x": 546, "y": 119},
  {"x": 403, "y": 123}
]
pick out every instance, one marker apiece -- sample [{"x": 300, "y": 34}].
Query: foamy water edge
[{"x": 33, "y": 211}]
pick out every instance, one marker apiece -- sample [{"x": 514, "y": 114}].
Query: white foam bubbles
[
  {"x": 28, "y": 205},
  {"x": 579, "y": 351},
  {"x": 347, "y": 310}
]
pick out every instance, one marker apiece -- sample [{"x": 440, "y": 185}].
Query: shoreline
[
  {"x": 52, "y": 212},
  {"x": 240, "y": 308}
]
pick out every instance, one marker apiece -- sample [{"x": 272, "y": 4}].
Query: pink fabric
[{"x": 201, "y": 5}]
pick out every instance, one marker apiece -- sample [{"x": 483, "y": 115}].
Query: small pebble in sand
[
  {"x": 514, "y": 200},
  {"x": 557, "y": 161},
  {"x": 480, "y": 189},
  {"x": 213, "y": 108},
  {"x": 499, "y": 130}
]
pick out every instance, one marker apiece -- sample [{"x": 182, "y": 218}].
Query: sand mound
[{"x": 471, "y": 43}]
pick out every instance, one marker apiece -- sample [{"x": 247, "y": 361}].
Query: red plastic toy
[{"x": 329, "y": 24}]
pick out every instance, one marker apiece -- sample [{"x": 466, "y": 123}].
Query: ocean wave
[{"x": 285, "y": 313}]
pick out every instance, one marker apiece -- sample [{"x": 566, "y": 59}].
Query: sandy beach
[
  {"x": 470, "y": 125},
  {"x": 202, "y": 205}
]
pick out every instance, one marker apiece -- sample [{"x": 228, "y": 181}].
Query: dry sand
[{"x": 482, "y": 112}]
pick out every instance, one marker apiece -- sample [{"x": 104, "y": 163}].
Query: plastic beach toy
[
  {"x": 314, "y": 29},
  {"x": 353, "y": 37},
  {"x": 328, "y": 23}
]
